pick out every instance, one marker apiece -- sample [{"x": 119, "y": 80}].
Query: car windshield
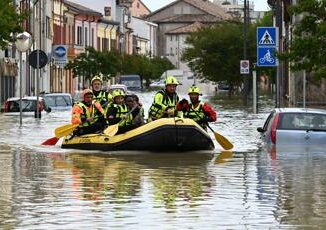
[
  {"x": 57, "y": 101},
  {"x": 27, "y": 106},
  {"x": 132, "y": 83},
  {"x": 302, "y": 121}
]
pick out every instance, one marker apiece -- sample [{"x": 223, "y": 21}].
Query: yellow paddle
[
  {"x": 65, "y": 130},
  {"x": 113, "y": 129},
  {"x": 60, "y": 132},
  {"x": 225, "y": 143}
]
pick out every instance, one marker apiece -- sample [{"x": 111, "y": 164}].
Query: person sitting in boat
[
  {"x": 165, "y": 100},
  {"x": 119, "y": 113},
  {"x": 136, "y": 109},
  {"x": 101, "y": 96},
  {"x": 199, "y": 111},
  {"x": 89, "y": 114}
]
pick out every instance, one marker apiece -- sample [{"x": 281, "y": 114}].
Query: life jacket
[
  {"x": 197, "y": 114},
  {"x": 87, "y": 111},
  {"x": 104, "y": 98},
  {"x": 162, "y": 101},
  {"x": 122, "y": 110}
]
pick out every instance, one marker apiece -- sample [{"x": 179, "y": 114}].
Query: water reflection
[{"x": 119, "y": 178}]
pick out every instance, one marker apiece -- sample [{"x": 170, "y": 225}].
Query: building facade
[{"x": 175, "y": 17}]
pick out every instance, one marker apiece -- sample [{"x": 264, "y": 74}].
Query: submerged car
[
  {"x": 118, "y": 86},
  {"x": 58, "y": 101},
  {"x": 29, "y": 106},
  {"x": 295, "y": 126},
  {"x": 160, "y": 83}
]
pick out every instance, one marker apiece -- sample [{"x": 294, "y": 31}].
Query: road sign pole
[
  {"x": 246, "y": 80},
  {"x": 254, "y": 90}
]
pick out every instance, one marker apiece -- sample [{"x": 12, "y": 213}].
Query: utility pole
[
  {"x": 279, "y": 74},
  {"x": 245, "y": 76}
]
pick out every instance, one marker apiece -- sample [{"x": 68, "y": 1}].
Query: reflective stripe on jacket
[
  {"x": 197, "y": 114},
  {"x": 162, "y": 101},
  {"x": 81, "y": 112},
  {"x": 116, "y": 112},
  {"x": 104, "y": 98}
]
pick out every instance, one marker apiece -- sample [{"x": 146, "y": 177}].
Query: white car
[
  {"x": 118, "y": 86},
  {"x": 160, "y": 83},
  {"x": 58, "y": 101},
  {"x": 286, "y": 128}
]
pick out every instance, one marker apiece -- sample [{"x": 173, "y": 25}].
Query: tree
[
  {"x": 93, "y": 62},
  {"x": 159, "y": 65},
  {"x": 308, "y": 48},
  {"x": 148, "y": 69},
  {"x": 10, "y": 22},
  {"x": 215, "y": 52}
]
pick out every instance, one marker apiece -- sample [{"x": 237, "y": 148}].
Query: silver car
[{"x": 295, "y": 126}]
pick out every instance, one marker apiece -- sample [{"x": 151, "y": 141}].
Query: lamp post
[{"x": 23, "y": 43}]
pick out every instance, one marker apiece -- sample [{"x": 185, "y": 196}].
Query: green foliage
[
  {"x": 267, "y": 20},
  {"x": 109, "y": 63},
  {"x": 145, "y": 67},
  {"x": 93, "y": 62},
  {"x": 215, "y": 52},
  {"x": 308, "y": 47},
  {"x": 159, "y": 66},
  {"x": 10, "y": 21}
]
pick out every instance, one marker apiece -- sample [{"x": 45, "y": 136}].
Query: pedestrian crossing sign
[{"x": 267, "y": 36}]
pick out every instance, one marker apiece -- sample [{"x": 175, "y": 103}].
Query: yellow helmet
[
  {"x": 194, "y": 89},
  {"x": 87, "y": 91},
  {"x": 96, "y": 78},
  {"x": 117, "y": 92},
  {"x": 170, "y": 80}
]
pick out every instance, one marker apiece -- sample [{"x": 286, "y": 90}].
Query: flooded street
[{"x": 46, "y": 187}]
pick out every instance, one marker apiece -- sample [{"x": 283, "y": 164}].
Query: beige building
[{"x": 176, "y": 20}]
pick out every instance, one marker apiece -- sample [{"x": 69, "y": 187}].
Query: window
[
  {"x": 79, "y": 35},
  {"x": 171, "y": 38},
  {"x": 171, "y": 51},
  {"x": 86, "y": 36},
  {"x": 47, "y": 27},
  {"x": 93, "y": 35}
]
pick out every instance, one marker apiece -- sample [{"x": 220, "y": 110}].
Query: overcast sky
[{"x": 153, "y": 5}]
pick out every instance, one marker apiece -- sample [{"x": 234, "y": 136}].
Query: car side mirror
[{"x": 260, "y": 129}]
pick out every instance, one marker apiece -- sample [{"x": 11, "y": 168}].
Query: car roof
[
  {"x": 118, "y": 86},
  {"x": 56, "y": 94},
  {"x": 300, "y": 110},
  {"x": 24, "y": 98}
]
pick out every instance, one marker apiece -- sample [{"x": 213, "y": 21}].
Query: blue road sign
[
  {"x": 266, "y": 56},
  {"x": 267, "y": 37}
]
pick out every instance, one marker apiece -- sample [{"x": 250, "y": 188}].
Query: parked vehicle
[
  {"x": 133, "y": 82},
  {"x": 118, "y": 86},
  {"x": 159, "y": 83},
  {"x": 29, "y": 106},
  {"x": 295, "y": 126},
  {"x": 58, "y": 101}
]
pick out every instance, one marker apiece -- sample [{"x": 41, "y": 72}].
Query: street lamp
[{"x": 23, "y": 43}]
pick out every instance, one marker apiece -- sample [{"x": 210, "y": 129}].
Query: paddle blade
[
  {"x": 111, "y": 130},
  {"x": 225, "y": 143},
  {"x": 65, "y": 130},
  {"x": 51, "y": 141}
]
